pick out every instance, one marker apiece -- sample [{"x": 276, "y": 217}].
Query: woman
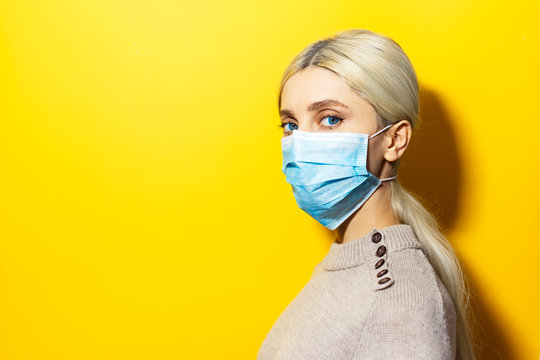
[{"x": 390, "y": 286}]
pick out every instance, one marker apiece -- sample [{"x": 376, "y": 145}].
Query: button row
[{"x": 381, "y": 251}]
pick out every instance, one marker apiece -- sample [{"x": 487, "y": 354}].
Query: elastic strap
[
  {"x": 380, "y": 131},
  {"x": 390, "y": 178},
  {"x": 377, "y": 133}
]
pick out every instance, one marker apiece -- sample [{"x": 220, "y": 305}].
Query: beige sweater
[{"x": 376, "y": 297}]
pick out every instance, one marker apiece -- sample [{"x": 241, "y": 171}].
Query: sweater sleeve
[
  {"x": 406, "y": 334},
  {"x": 412, "y": 319}
]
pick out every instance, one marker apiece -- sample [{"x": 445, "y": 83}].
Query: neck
[{"x": 376, "y": 212}]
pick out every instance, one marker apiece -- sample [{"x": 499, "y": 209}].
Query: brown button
[
  {"x": 379, "y": 263},
  {"x": 376, "y": 237},
  {"x": 382, "y": 272},
  {"x": 381, "y": 250},
  {"x": 384, "y": 280}
]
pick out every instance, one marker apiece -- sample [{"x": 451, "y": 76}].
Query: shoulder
[
  {"x": 413, "y": 316},
  {"x": 415, "y": 281}
]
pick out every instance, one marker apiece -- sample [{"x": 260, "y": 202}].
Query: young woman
[{"x": 390, "y": 286}]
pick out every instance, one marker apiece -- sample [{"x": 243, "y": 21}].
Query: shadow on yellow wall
[
  {"x": 431, "y": 166},
  {"x": 432, "y": 169}
]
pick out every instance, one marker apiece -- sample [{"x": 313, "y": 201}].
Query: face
[{"x": 316, "y": 99}]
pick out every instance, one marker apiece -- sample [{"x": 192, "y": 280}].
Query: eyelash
[{"x": 324, "y": 116}]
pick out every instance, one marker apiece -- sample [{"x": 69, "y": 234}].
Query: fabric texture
[{"x": 376, "y": 297}]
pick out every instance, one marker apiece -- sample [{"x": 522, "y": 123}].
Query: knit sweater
[{"x": 375, "y": 297}]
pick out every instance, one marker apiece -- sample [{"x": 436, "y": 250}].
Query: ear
[{"x": 397, "y": 139}]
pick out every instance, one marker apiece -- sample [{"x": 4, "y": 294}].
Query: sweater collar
[{"x": 353, "y": 253}]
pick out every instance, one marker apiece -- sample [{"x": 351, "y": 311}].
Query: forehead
[{"x": 314, "y": 84}]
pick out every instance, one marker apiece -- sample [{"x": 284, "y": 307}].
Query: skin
[{"x": 314, "y": 84}]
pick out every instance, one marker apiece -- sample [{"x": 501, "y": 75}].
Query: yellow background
[{"x": 143, "y": 212}]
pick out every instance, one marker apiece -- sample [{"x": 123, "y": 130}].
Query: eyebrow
[{"x": 316, "y": 106}]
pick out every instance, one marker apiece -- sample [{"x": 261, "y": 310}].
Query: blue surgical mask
[{"x": 328, "y": 173}]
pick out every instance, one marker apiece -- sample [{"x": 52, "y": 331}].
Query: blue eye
[
  {"x": 289, "y": 127},
  {"x": 334, "y": 120}
]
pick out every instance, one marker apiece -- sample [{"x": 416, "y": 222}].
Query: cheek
[
  {"x": 359, "y": 124},
  {"x": 373, "y": 158},
  {"x": 354, "y": 125}
]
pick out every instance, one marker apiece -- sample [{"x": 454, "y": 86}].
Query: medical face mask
[{"x": 328, "y": 173}]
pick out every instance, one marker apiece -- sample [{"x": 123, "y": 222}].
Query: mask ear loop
[
  {"x": 372, "y": 136},
  {"x": 380, "y": 131}
]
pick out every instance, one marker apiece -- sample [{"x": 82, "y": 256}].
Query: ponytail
[{"x": 440, "y": 253}]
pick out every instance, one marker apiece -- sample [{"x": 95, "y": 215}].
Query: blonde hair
[{"x": 379, "y": 71}]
